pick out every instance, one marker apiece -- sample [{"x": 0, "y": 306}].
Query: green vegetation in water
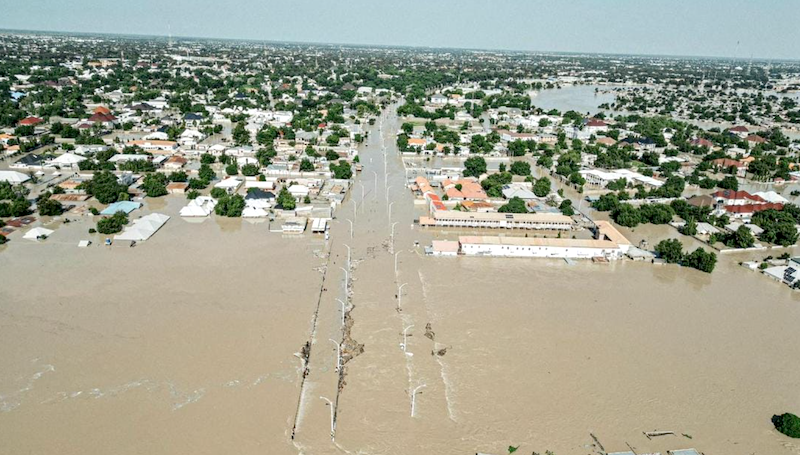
[{"x": 788, "y": 424}]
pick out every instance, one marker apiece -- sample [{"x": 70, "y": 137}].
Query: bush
[
  {"x": 155, "y": 185},
  {"x": 515, "y": 205},
  {"x": 788, "y": 424},
  {"x": 542, "y": 187},
  {"x": 670, "y": 250},
  {"x": 230, "y": 206},
  {"x": 250, "y": 170},
  {"x": 112, "y": 224},
  {"x": 474, "y": 166},
  {"x": 627, "y": 215},
  {"x": 49, "y": 207}
]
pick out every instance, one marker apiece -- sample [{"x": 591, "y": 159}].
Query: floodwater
[
  {"x": 186, "y": 343},
  {"x": 579, "y": 98}
]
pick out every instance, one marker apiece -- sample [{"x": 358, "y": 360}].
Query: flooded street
[{"x": 187, "y": 342}]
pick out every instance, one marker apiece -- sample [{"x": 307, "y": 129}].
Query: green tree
[
  {"x": 670, "y": 250},
  {"x": 341, "y": 171},
  {"x": 49, "y": 207},
  {"x": 542, "y": 187},
  {"x": 701, "y": 260},
  {"x": 514, "y": 205},
  {"x": 332, "y": 139},
  {"x": 105, "y": 187},
  {"x": 231, "y": 169},
  {"x": 741, "y": 238},
  {"x": 240, "y": 134},
  {"x": 788, "y": 424},
  {"x": 330, "y": 155},
  {"x": 566, "y": 207},
  {"x": 178, "y": 176},
  {"x": 250, "y": 170},
  {"x": 474, "y": 166},
  {"x": 306, "y": 165},
  {"x": 729, "y": 183},
  {"x": 286, "y": 200},
  {"x": 230, "y": 206},
  {"x": 206, "y": 174},
  {"x": 155, "y": 184},
  {"x": 690, "y": 228},
  {"x": 627, "y": 215},
  {"x": 520, "y": 168},
  {"x": 113, "y": 223}
]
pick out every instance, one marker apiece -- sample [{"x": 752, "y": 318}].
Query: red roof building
[
  {"x": 30, "y": 121},
  {"x": 102, "y": 118},
  {"x": 755, "y": 139}
]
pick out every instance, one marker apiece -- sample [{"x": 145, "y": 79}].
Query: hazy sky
[{"x": 762, "y": 28}]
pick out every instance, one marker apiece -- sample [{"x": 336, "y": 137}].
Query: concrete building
[
  {"x": 608, "y": 243},
  {"x": 496, "y": 220}
]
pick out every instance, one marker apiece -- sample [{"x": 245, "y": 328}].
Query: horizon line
[{"x": 397, "y": 46}]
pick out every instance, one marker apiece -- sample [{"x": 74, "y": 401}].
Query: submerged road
[{"x": 383, "y": 295}]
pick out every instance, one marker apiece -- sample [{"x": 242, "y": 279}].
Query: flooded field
[
  {"x": 182, "y": 344},
  {"x": 579, "y": 98},
  {"x": 187, "y": 343}
]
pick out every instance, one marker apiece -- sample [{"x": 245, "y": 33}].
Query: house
[
  {"x": 299, "y": 192},
  {"x": 230, "y": 184},
  {"x": 174, "y": 163},
  {"x": 294, "y": 225},
  {"x": 443, "y": 248},
  {"x": 727, "y": 163},
  {"x": 417, "y": 142},
  {"x": 155, "y": 147},
  {"x": 67, "y": 160},
  {"x": 740, "y": 131},
  {"x": 742, "y": 204},
  {"x": 438, "y": 99},
  {"x": 512, "y": 191},
  {"x": 606, "y": 141},
  {"x": 177, "y": 187},
  {"x": 754, "y": 139},
  {"x": 594, "y": 126},
  {"x": 13, "y": 177},
  {"x": 257, "y": 197},
  {"x": 30, "y": 121},
  {"x": 121, "y": 206},
  {"x": 603, "y": 178},
  {"x": 200, "y": 207},
  {"x": 702, "y": 201},
  {"x": 730, "y": 197},
  {"x": 702, "y": 143},
  {"x": 105, "y": 119}
]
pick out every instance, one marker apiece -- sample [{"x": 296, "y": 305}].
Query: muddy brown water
[{"x": 187, "y": 343}]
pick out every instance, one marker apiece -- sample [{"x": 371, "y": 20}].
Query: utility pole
[
  {"x": 333, "y": 422},
  {"x": 400, "y": 295},
  {"x": 414, "y": 398},
  {"x": 344, "y": 306},
  {"x": 338, "y": 354},
  {"x": 405, "y": 338}
]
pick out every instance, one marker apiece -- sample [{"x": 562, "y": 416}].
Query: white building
[
  {"x": 496, "y": 220},
  {"x": 609, "y": 244}
]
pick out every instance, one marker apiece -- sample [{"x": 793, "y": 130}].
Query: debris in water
[{"x": 429, "y": 333}]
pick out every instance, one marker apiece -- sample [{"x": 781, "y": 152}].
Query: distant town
[{"x": 323, "y": 179}]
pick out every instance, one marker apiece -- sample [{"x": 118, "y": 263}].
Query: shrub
[{"x": 788, "y": 424}]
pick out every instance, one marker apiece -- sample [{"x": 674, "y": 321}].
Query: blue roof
[{"x": 121, "y": 206}]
